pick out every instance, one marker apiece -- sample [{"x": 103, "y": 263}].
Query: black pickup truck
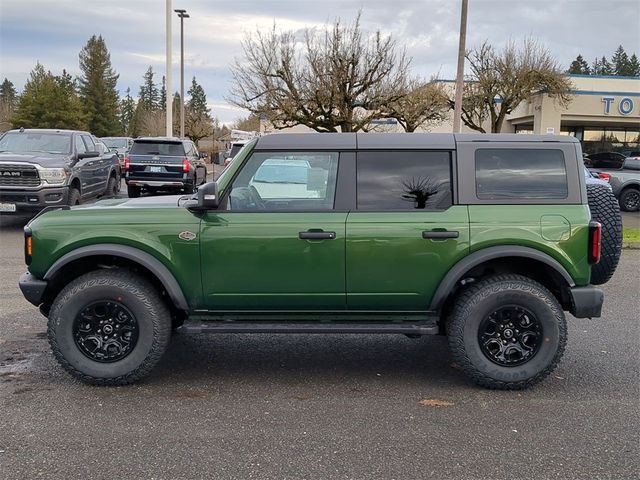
[
  {"x": 163, "y": 163},
  {"x": 41, "y": 168}
]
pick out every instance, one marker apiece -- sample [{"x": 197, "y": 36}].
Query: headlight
[{"x": 54, "y": 176}]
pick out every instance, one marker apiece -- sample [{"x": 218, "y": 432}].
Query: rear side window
[
  {"x": 157, "y": 148},
  {"x": 520, "y": 173},
  {"x": 404, "y": 180}
]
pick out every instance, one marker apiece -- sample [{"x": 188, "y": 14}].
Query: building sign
[{"x": 625, "y": 106}]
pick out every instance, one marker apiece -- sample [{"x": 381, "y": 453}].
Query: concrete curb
[{"x": 631, "y": 246}]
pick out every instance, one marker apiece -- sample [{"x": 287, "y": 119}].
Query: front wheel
[
  {"x": 109, "y": 327},
  {"x": 507, "y": 332}
]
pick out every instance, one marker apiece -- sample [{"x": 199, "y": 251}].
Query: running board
[{"x": 422, "y": 328}]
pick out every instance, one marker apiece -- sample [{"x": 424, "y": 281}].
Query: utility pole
[
  {"x": 457, "y": 111},
  {"x": 169, "y": 88},
  {"x": 182, "y": 14}
]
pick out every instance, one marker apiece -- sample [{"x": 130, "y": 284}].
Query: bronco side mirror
[{"x": 208, "y": 196}]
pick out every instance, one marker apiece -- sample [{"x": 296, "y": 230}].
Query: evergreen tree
[
  {"x": 127, "y": 111},
  {"x": 49, "y": 101},
  {"x": 149, "y": 97},
  {"x": 634, "y": 66},
  {"x": 8, "y": 102},
  {"x": 620, "y": 62},
  {"x": 176, "y": 112},
  {"x": 198, "y": 101},
  {"x": 97, "y": 88},
  {"x": 601, "y": 67},
  {"x": 163, "y": 95},
  {"x": 580, "y": 66}
]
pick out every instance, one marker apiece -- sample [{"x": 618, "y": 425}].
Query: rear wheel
[
  {"x": 604, "y": 209},
  {"x": 630, "y": 199},
  {"x": 109, "y": 327},
  {"x": 112, "y": 187},
  {"x": 507, "y": 332},
  {"x": 133, "y": 191}
]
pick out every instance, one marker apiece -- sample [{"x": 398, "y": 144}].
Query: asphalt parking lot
[{"x": 324, "y": 406}]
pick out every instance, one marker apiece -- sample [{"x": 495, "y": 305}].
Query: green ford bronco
[{"x": 487, "y": 239}]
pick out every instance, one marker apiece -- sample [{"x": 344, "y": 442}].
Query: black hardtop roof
[
  {"x": 48, "y": 130},
  {"x": 392, "y": 141}
]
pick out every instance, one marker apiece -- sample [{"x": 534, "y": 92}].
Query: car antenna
[{"x": 21, "y": 129}]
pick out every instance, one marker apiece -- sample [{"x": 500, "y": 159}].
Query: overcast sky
[{"x": 53, "y": 32}]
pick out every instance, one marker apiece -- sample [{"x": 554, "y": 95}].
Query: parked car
[
  {"x": 120, "y": 145},
  {"x": 161, "y": 163},
  {"x": 625, "y": 182},
  {"x": 44, "y": 168},
  {"x": 233, "y": 151},
  {"x": 604, "y": 160},
  {"x": 596, "y": 179},
  {"x": 487, "y": 239}
]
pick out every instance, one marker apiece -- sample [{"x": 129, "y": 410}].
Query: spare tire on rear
[{"x": 604, "y": 209}]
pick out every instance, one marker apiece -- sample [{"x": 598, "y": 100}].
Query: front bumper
[
  {"x": 32, "y": 288},
  {"x": 35, "y": 200},
  {"x": 586, "y": 301}
]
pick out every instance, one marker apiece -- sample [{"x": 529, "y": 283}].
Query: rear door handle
[
  {"x": 440, "y": 234},
  {"x": 315, "y": 235}
]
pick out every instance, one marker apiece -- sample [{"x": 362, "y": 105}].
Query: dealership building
[{"x": 604, "y": 114}]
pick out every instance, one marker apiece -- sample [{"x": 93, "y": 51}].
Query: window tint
[
  {"x": 404, "y": 180},
  {"x": 286, "y": 181},
  {"x": 520, "y": 173},
  {"x": 88, "y": 141},
  {"x": 80, "y": 145},
  {"x": 157, "y": 148}
]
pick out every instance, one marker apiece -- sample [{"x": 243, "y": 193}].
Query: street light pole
[
  {"x": 457, "y": 111},
  {"x": 182, "y": 14},
  {"x": 169, "y": 124}
]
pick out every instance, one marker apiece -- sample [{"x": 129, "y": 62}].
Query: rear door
[
  {"x": 279, "y": 243},
  {"x": 405, "y": 233}
]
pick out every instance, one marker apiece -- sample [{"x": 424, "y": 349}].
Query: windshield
[
  {"x": 116, "y": 142},
  {"x": 157, "y": 148},
  {"x": 29, "y": 142}
]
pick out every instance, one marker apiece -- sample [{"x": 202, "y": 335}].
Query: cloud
[{"x": 54, "y": 32}]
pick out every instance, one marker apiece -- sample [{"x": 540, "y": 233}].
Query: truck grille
[{"x": 18, "y": 175}]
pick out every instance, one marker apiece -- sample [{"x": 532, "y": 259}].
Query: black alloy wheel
[
  {"x": 510, "y": 336},
  {"x": 105, "y": 331}
]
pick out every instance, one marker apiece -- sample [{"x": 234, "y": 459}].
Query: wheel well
[
  {"x": 528, "y": 267},
  {"x": 80, "y": 266},
  {"x": 75, "y": 183}
]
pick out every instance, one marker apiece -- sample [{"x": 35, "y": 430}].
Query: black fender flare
[
  {"x": 146, "y": 260},
  {"x": 474, "y": 259}
]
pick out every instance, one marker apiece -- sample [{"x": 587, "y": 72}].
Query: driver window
[{"x": 286, "y": 181}]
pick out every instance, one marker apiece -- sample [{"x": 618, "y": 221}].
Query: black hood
[{"x": 46, "y": 160}]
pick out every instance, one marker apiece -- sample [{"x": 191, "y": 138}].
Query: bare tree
[
  {"x": 422, "y": 103},
  {"x": 249, "y": 124},
  {"x": 336, "y": 79},
  {"x": 197, "y": 125},
  {"x": 501, "y": 80}
]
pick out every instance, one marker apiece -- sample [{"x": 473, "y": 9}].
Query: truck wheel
[
  {"x": 74, "y": 196},
  {"x": 109, "y": 327},
  {"x": 112, "y": 187},
  {"x": 507, "y": 332},
  {"x": 630, "y": 199},
  {"x": 604, "y": 209},
  {"x": 188, "y": 189},
  {"x": 133, "y": 191}
]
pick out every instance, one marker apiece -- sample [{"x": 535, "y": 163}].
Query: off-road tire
[
  {"x": 74, "y": 196},
  {"x": 629, "y": 199},
  {"x": 133, "y": 191},
  {"x": 604, "y": 209},
  {"x": 478, "y": 301},
  {"x": 136, "y": 294}
]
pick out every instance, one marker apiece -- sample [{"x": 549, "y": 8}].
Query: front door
[
  {"x": 277, "y": 243},
  {"x": 405, "y": 233}
]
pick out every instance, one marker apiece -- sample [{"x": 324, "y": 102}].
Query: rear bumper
[
  {"x": 586, "y": 301},
  {"x": 32, "y": 288},
  {"x": 35, "y": 200}
]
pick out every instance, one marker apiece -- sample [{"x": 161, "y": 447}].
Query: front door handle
[
  {"x": 316, "y": 235},
  {"x": 438, "y": 234}
]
